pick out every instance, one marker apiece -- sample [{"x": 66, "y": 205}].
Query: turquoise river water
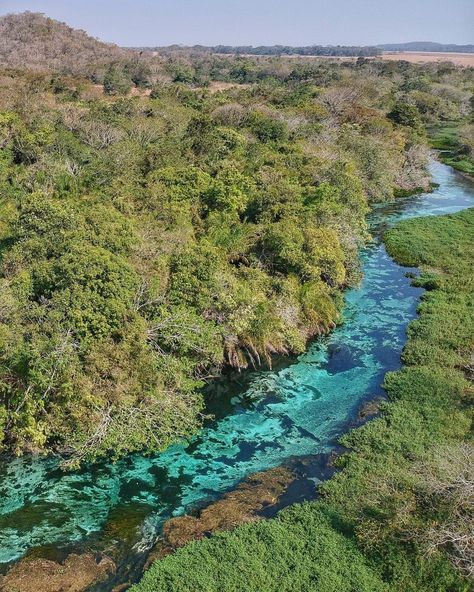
[{"x": 262, "y": 419}]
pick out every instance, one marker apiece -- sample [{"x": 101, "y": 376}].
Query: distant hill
[
  {"x": 34, "y": 41},
  {"x": 427, "y": 46}
]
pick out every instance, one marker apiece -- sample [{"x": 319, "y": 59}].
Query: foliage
[
  {"x": 116, "y": 82},
  {"x": 405, "y": 114},
  {"x": 311, "y": 50},
  {"x": 398, "y": 516},
  {"x": 50, "y": 45},
  {"x": 455, "y": 143},
  {"x": 279, "y": 555},
  {"x": 150, "y": 239}
]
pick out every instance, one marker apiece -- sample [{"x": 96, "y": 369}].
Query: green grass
[
  {"x": 465, "y": 165},
  {"x": 354, "y": 538},
  {"x": 445, "y": 137},
  {"x": 273, "y": 556}
]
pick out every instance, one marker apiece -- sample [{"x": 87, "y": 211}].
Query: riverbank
[
  {"x": 291, "y": 416},
  {"x": 381, "y": 522},
  {"x": 447, "y": 139}
]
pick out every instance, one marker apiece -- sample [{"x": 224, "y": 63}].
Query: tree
[
  {"x": 405, "y": 114},
  {"x": 139, "y": 72},
  {"x": 267, "y": 128},
  {"x": 116, "y": 81},
  {"x": 201, "y": 132}
]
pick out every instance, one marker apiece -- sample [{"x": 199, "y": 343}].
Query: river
[{"x": 262, "y": 419}]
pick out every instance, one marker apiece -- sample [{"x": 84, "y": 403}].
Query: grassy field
[
  {"x": 424, "y": 57},
  {"x": 379, "y": 523}
]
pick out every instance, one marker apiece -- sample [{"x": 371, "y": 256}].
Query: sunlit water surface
[{"x": 263, "y": 420}]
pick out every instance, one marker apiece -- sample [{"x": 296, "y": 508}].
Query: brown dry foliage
[
  {"x": 76, "y": 574},
  {"x": 39, "y": 43},
  {"x": 448, "y": 488}
]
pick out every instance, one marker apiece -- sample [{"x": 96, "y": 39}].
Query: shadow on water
[{"x": 291, "y": 415}]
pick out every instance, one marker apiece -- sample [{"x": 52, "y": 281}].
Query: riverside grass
[
  {"x": 371, "y": 527},
  {"x": 446, "y": 137}
]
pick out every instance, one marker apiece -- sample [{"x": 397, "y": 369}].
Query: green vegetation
[
  {"x": 286, "y": 50},
  {"x": 154, "y": 230},
  {"x": 299, "y": 550},
  {"x": 145, "y": 244},
  {"x": 456, "y": 144},
  {"x": 148, "y": 241},
  {"x": 398, "y": 516}
]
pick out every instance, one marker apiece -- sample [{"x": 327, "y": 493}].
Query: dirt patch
[
  {"x": 370, "y": 408},
  {"x": 139, "y": 92},
  {"x": 93, "y": 91},
  {"x": 421, "y": 57},
  {"x": 215, "y": 86},
  {"x": 76, "y": 574}
]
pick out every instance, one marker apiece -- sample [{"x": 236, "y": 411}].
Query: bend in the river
[{"x": 278, "y": 416}]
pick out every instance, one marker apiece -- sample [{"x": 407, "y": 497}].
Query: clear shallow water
[{"x": 272, "y": 418}]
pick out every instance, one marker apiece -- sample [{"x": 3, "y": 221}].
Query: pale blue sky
[{"x": 232, "y": 22}]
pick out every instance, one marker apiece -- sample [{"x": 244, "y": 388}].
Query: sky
[{"x": 261, "y": 22}]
